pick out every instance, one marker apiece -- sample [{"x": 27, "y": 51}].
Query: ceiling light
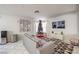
[{"x": 36, "y": 11}]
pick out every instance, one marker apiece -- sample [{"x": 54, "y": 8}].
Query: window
[{"x": 43, "y": 25}]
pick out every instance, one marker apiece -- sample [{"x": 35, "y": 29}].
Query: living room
[{"x": 19, "y": 19}]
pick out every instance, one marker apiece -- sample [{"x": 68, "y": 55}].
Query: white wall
[
  {"x": 78, "y": 22},
  {"x": 12, "y": 23},
  {"x": 9, "y": 23},
  {"x": 70, "y": 24}
]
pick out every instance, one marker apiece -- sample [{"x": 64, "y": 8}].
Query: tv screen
[{"x": 58, "y": 24}]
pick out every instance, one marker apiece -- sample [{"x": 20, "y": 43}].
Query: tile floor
[{"x": 13, "y": 48}]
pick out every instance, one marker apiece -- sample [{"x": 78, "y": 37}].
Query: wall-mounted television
[{"x": 58, "y": 24}]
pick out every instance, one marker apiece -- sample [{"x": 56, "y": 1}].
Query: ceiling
[{"x": 45, "y": 10}]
